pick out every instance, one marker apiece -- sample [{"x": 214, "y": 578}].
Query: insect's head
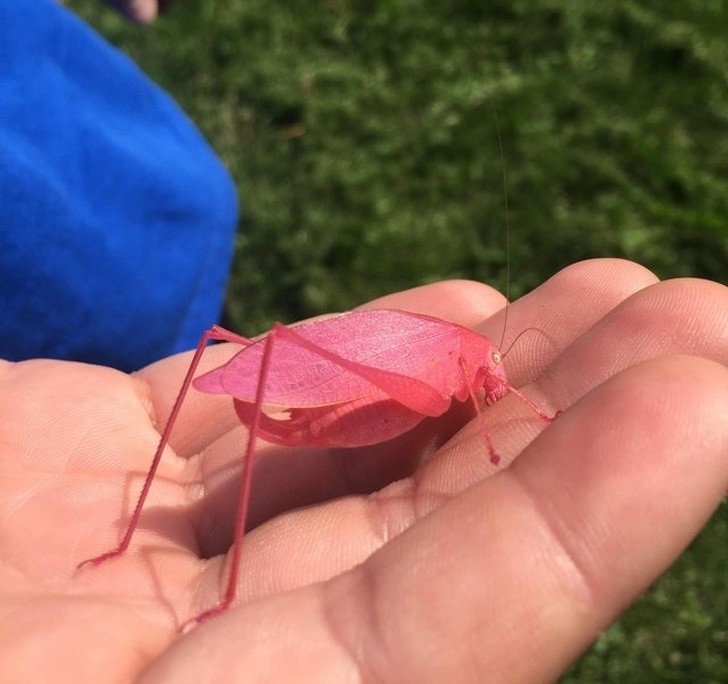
[{"x": 495, "y": 383}]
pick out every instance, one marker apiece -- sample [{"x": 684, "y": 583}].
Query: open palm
[{"x": 414, "y": 560}]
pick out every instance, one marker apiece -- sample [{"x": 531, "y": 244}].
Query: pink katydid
[{"x": 351, "y": 379}]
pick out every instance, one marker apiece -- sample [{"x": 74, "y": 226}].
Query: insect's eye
[{"x": 496, "y": 357}]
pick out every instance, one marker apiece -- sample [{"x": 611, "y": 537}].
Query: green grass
[{"x": 363, "y": 139}]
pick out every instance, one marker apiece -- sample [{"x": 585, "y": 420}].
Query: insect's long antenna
[
  {"x": 513, "y": 344},
  {"x": 507, "y": 241},
  {"x": 521, "y": 334}
]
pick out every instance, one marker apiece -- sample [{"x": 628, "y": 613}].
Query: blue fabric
[{"x": 116, "y": 219}]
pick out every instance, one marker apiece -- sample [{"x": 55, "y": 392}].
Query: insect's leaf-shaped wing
[{"x": 306, "y": 374}]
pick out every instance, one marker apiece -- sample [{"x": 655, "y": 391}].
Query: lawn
[{"x": 364, "y": 139}]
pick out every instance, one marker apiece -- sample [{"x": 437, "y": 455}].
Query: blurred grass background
[{"x": 363, "y": 140}]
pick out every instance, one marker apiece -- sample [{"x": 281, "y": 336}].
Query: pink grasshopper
[{"x": 345, "y": 380}]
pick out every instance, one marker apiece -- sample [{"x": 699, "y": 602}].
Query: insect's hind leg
[
  {"x": 215, "y": 333},
  {"x": 246, "y": 478}
]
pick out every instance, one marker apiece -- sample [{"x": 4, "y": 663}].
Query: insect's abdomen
[{"x": 356, "y": 423}]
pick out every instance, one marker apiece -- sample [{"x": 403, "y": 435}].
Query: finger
[
  {"x": 560, "y": 310},
  {"x": 464, "y": 302},
  {"x": 681, "y": 316},
  {"x": 514, "y": 578}
]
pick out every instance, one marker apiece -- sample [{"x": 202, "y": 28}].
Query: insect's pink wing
[{"x": 402, "y": 345}]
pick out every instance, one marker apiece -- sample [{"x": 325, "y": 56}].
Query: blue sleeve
[{"x": 117, "y": 221}]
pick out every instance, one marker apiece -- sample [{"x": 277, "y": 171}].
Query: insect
[{"x": 351, "y": 379}]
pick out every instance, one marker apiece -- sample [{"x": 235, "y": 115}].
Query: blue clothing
[{"x": 117, "y": 221}]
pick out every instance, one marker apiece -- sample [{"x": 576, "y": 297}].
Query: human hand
[
  {"x": 141, "y": 11},
  {"x": 457, "y": 571}
]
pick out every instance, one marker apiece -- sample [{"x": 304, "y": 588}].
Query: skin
[
  {"x": 141, "y": 11},
  {"x": 413, "y": 560}
]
